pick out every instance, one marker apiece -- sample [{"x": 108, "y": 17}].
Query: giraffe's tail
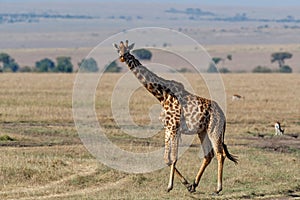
[{"x": 230, "y": 156}]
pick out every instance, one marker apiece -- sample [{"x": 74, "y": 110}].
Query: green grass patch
[{"x": 6, "y": 138}]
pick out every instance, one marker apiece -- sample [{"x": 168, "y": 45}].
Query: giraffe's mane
[{"x": 177, "y": 84}]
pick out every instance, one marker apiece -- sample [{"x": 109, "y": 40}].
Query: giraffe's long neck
[{"x": 156, "y": 85}]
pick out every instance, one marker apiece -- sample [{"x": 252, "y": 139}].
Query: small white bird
[{"x": 278, "y": 129}]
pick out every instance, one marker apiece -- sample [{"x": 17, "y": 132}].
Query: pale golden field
[{"x": 42, "y": 157}]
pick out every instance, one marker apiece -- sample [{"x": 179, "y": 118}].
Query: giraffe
[{"x": 183, "y": 113}]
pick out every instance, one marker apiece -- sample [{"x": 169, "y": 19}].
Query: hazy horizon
[
  {"x": 254, "y": 3},
  {"x": 115, "y": 16}
]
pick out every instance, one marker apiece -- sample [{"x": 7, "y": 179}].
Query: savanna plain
[{"x": 42, "y": 156}]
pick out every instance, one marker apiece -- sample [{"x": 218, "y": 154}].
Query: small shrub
[
  {"x": 184, "y": 70},
  {"x": 113, "y": 67},
  {"x": 25, "y": 69},
  {"x": 142, "y": 54},
  {"x": 88, "y": 65},
  {"x": 261, "y": 69},
  {"x": 8, "y": 63},
  {"x": 44, "y": 65},
  {"x": 224, "y": 70},
  {"x": 6, "y": 138},
  {"x": 64, "y": 64},
  {"x": 285, "y": 69}
]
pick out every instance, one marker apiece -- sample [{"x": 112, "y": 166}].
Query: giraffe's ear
[
  {"x": 116, "y": 46},
  {"x": 131, "y": 46}
]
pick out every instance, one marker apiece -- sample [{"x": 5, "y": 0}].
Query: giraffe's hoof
[
  {"x": 169, "y": 189},
  {"x": 191, "y": 188},
  {"x": 216, "y": 193}
]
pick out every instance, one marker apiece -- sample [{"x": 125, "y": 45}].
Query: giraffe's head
[{"x": 123, "y": 49}]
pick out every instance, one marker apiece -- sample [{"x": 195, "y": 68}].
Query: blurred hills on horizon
[{"x": 78, "y": 24}]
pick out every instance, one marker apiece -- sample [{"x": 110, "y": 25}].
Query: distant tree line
[
  {"x": 198, "y": 14},
  {"x": 63, "y": 64},
  {"x": 278, "y": 57},
  {"x": 35, "y": 17}
]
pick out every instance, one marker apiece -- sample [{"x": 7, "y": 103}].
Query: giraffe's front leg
[
  {"x": 171, "y": 145},
  {"x": 167, "y": 153},
  {"x": 174, "y": 170},
  {"x": 167, "y": 158},
  {"x": 171, "y": 179}
]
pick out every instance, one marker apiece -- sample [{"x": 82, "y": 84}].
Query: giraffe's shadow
[{"x": 196, "y": 195}]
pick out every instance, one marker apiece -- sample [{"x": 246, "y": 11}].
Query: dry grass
[{"x": 46, "y": 160}]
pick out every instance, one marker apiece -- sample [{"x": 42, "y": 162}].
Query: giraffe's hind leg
[
  {"x": 220, "y": 154},
  {"x": 207, "y": 153},
  {"x": 215, "y": 132},
  {"x": 202, "y": 168},
  {"x": 221, "y": 158}
]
